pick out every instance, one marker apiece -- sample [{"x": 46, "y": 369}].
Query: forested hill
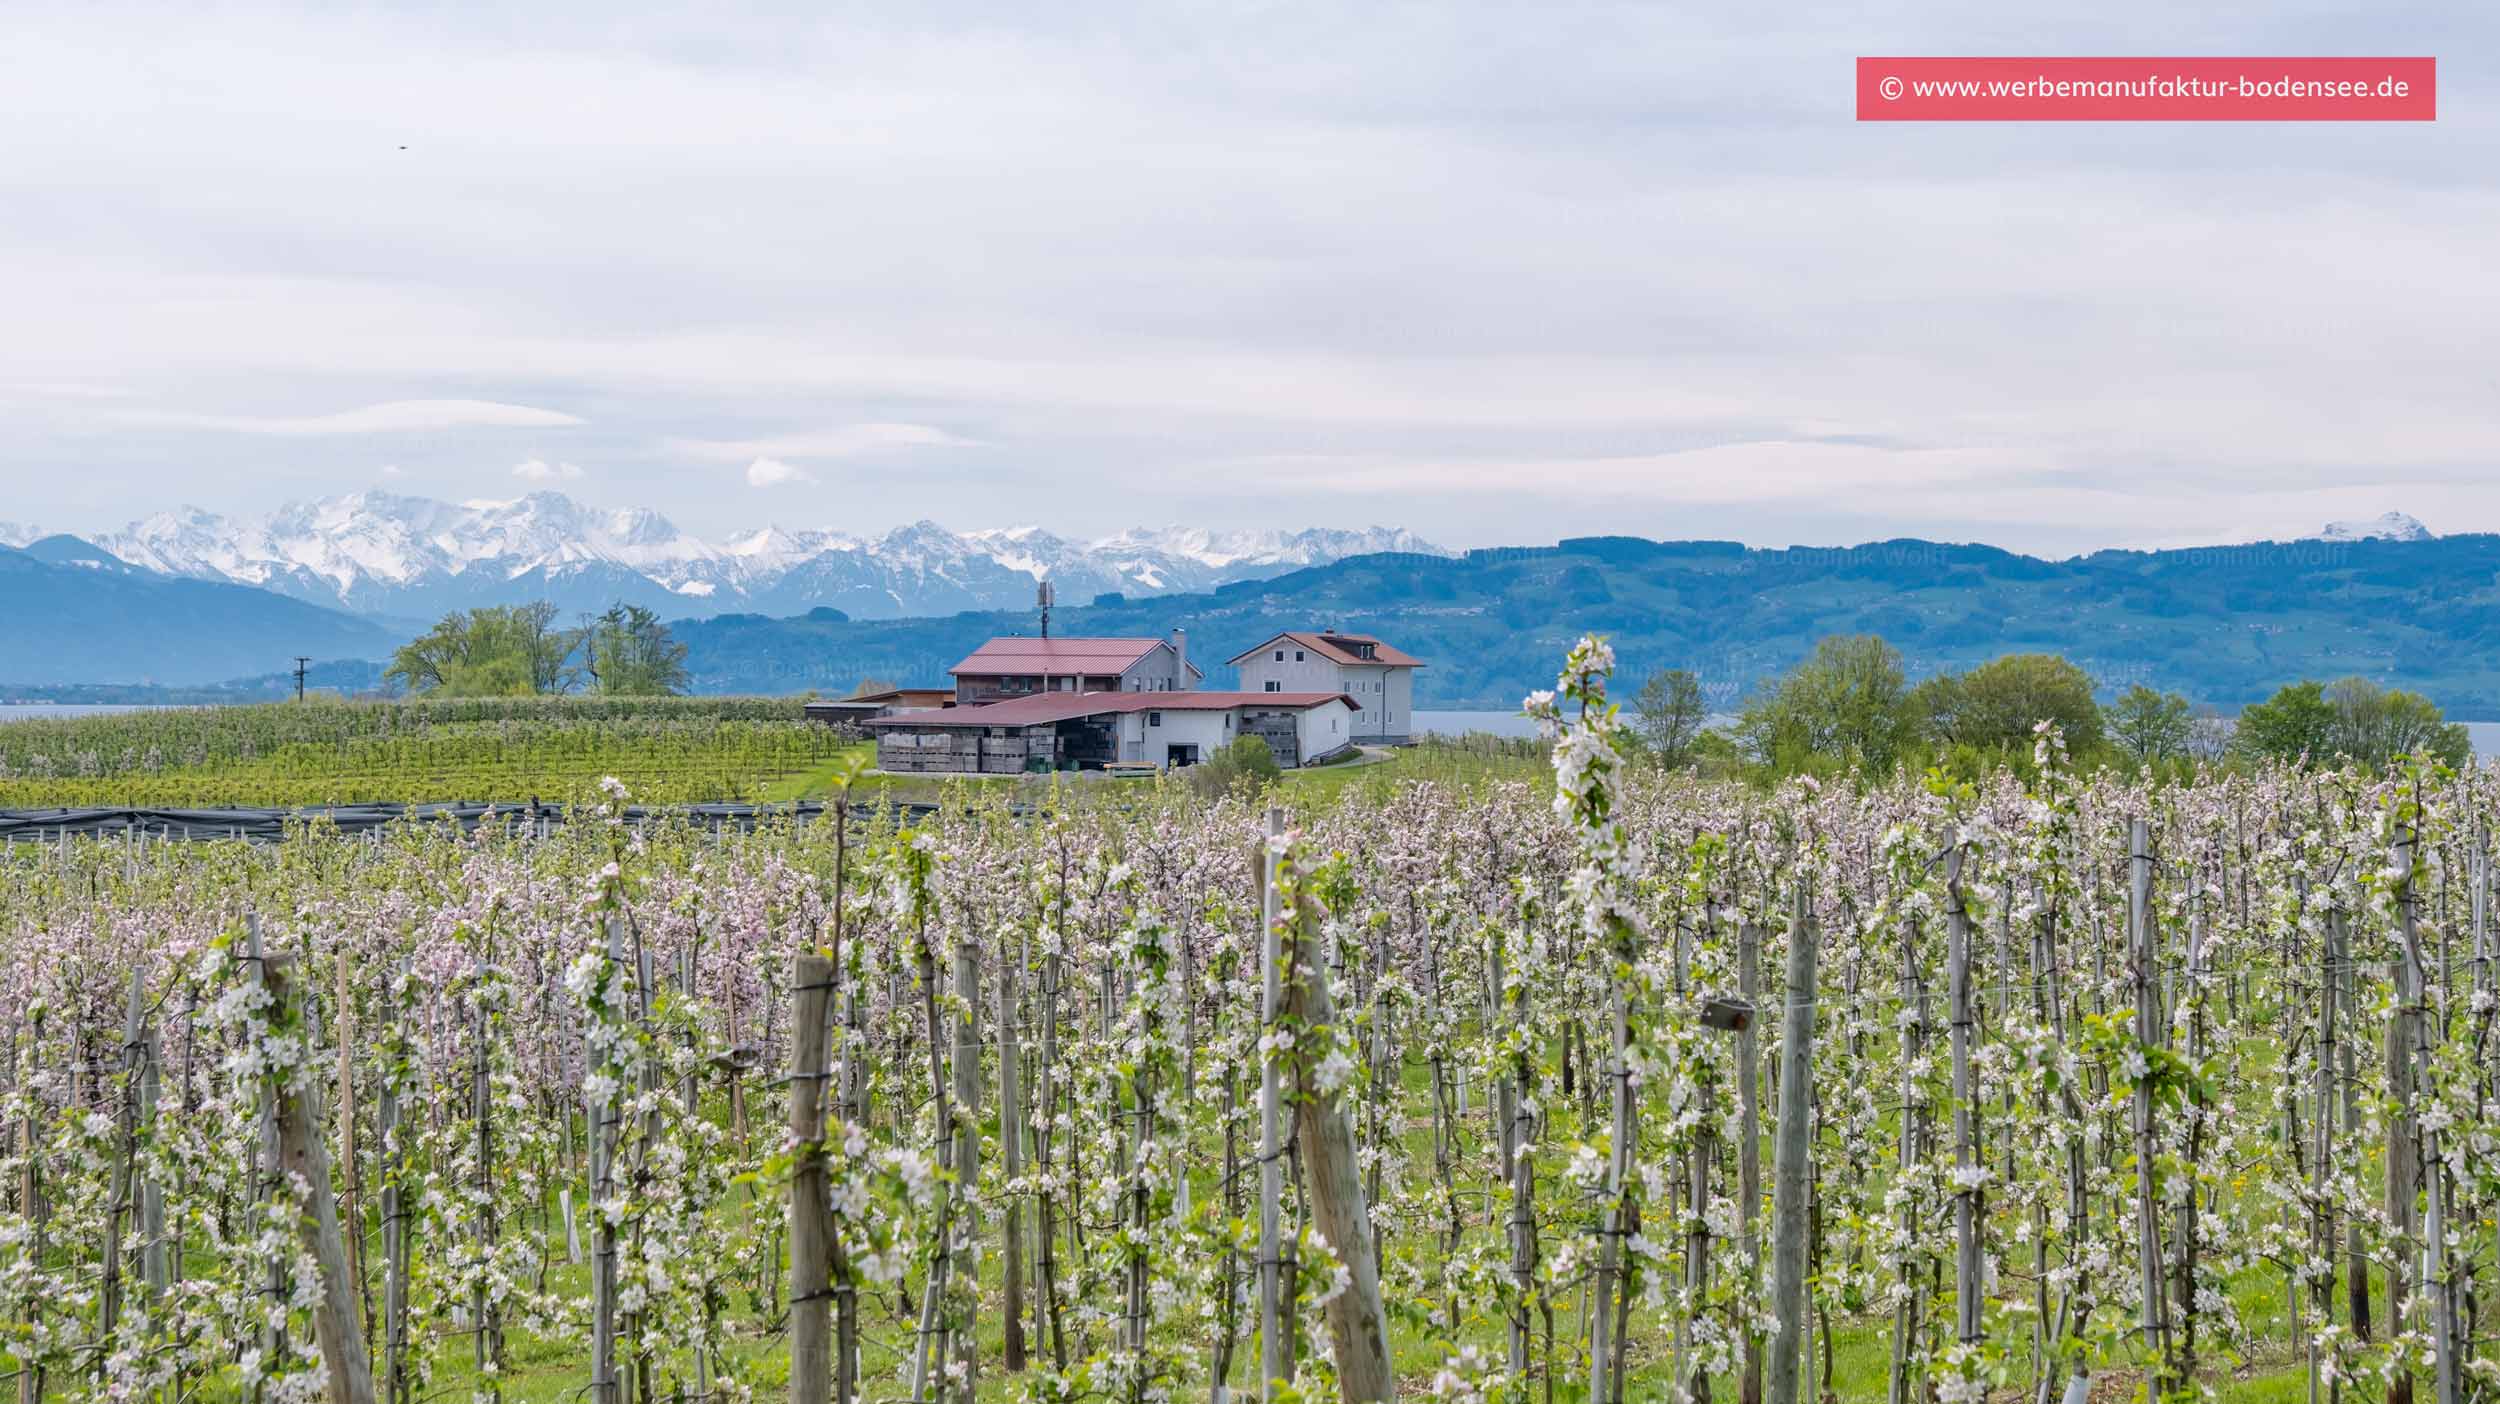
[{"x": 2224, "y": 625}]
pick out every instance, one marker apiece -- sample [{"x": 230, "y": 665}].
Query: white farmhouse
[{"x": 1380, "y": 679}]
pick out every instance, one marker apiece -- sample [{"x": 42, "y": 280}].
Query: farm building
[
  {"x": 1061, "y": 730},
  {"x": 1008, "y": 668},
  {"x": 1380, "y": 679},
  {"x": 859, "y": 707}
]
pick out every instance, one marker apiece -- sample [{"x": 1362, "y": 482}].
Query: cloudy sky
[{"x": 1497, "y": 272}]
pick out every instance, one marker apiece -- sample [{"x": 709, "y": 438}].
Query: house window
[
  {"x": 1297, "y": 655},
  {"x": 1154, "y": 719},
  {"x": 1275, "y": 686}
]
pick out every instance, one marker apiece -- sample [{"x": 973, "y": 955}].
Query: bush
[{"x": 1246, "y": 767}]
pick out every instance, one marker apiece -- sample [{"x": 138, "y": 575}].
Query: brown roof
[
  {"x": 1013, "y": 656},
  {"x": 1068, "y": 706},
  {"x": 1330, "y": 646}
]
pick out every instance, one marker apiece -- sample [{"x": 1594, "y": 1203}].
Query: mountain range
[
  {"x": 2223, "y": 624},
  {"x": 76, "y": 614},
  {"x": 406, "y": 559}
]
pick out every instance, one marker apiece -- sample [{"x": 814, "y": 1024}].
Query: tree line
[
  {"x": 521, "y": 651},
  {"x": 1850, "y": 704}
]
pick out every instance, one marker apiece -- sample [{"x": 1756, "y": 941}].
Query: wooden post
[
  {"x": 351, "y": 1182},
  {"x": 301, "y": 1153},
  {"x": 966, "y": 1067},
  {"x": 125, "y": 1157},
  {"x": 1274, "y": 1364},
  {"x": 2154, "y": 1317},
  {"x": 1358, "y": 1327},
  {"x": 1792, "y": 1157},
  {"x": 155, "y": 1264},
  {"x": 393, "y": 1170},
  {"x": 1749, "y": 1150},
  {"x": 30, "y": 1190},
  {"x": 811, "y": 1227},
  {"x": 2421, "y": 1142},
  {"x": 1967, "y": 1290},
  {"x": 605, "y": 1385},
  {"x": 2321, "y": 1171},
  {"x": 1011, "y": 1148},
  {"x": 1605, "y": 1354}
]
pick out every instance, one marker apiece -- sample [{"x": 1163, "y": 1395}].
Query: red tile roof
[
  {"x": 1328, "y": 646},
  {"x": 1068, "y": 706},
  {"x": 1015, "y": 656}
]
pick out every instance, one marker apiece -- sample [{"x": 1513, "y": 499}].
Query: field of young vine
[
  {"x": 671, "y": 749},
  {"x": 1619, "y": 1087}
]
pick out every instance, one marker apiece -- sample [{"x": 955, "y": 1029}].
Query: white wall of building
[
  {"x": 1384, "y": 696},
  {"x": 1141, "y": 739},
  {"x": 1324, "y": 728}
]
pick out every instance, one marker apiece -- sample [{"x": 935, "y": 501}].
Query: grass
[{"x": 508, "y": 750}]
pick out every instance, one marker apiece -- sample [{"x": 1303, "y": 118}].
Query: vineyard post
[
  {"x": 2192, "y": 992},
  {"x": 927, "y": 1353},
  {"x": 303, "y": 1154},
  {"x": 2153, "y": 1316},
  {"x": 1518, "y": 1171},
  {"x": 394, "y": 1235},
  {"x": 351, "y": 1182},
  {"x": 2322, "y": 1232},
  {"x": 811, "y": 1260},
  {"x": 1011, "y": 1149},
  {"x": 603, "y": 1377},
  {"x": 482, "y": 1107},
  {"x": 31, "y": 1201},
  {"x": 2424, "y": 1135},
  {"x": 1045, "y": 1138},
  {"x": 266, "y": 1169},
  {"x": 155, "y": 1268},
  {"x": 1332, "y": 1174},
  {"x": 1968, "y": 1293},
  {"x": 1273, "y": 1362},
  {"x": 125, "y": 1156},
  {"x": 1749, "y": 1148},
  {"x": 1605, "y": 1347},
  {"x": 1906, "y": 1330},
  {"x": 2356, "y": 1256},
  {"x": 1791, "y": 1158},
  {"x": 966, "y": 1066}
]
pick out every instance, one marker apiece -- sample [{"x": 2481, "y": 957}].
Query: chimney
[{"x": 1180, "y": 652}]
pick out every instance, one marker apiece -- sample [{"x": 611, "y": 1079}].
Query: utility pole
[{"x": 300, "y": 664}]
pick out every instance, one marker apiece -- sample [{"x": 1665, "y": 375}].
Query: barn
[{"x": 1088, "y": 730}]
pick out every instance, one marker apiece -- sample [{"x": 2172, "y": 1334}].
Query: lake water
[{"x": 27, "y": 711}]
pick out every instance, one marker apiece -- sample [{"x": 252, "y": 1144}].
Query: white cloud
[
  {"x": 772, "y": 472},
  {"x": 391, "y": 417},
  {"x": 1647, "y": 258},
  {"x": 391, "y": 470},
  {"x": 538, "y": 470},
  {"x": 848, "y": 441}
]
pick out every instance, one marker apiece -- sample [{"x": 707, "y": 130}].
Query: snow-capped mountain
[
  {"x": 15, "y": 534},
  {"x": 2388, "y": 526},
  {"x": 382, "y": 554}
]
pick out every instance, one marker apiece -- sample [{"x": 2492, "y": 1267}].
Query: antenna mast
[
  {"x": 1045, "y": 596},
  {"x": 300, "y": 662}
]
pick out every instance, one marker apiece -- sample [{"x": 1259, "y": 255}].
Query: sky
[{"x": 1497, "y": 273}]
